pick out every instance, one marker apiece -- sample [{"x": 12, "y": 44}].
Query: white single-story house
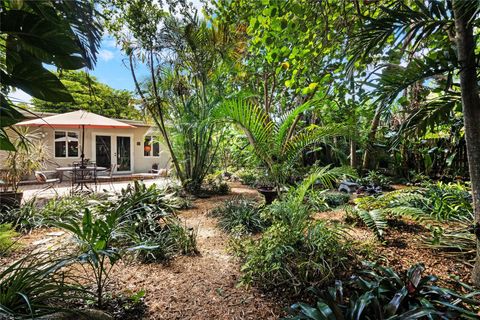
[{"x": 132, "y": 148}]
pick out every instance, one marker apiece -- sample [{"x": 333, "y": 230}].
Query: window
[
  {"x": 66, "y": 144},
  {"x": 151, "y": 147}
]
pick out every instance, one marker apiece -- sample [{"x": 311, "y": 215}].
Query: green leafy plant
[
  {"x": 277, "y": 144},
  {"x": 155, "y": 230},
  {"x": 247, "y": 176},
  {"x": 455, "y": 240},
  {"x": 375, "y": 178},
  {"x": 32, "y": 214},
  {"x": 37, "y": 285},
  {"x": 326, "y": 200},
  {"x": 65, "y": 34},
  {"x": 374, "y": 211},
  {"x": 214, "y": 184},
  {"x": 7, "y": 233},
  {"x": 95, "y": 238},
  {"x": 381, "y": 293},
  {"x": 240, "y": 216},
  {"x": 446, "y": 201}
]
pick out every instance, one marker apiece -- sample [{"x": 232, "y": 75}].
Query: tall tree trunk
[
  {"x": 471, "y": 110},
  {"x": 371, "y": 138}
]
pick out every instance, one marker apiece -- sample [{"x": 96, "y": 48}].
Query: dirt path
[{"x": 201, "y": 287}]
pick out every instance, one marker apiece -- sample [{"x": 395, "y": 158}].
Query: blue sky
[{"x": 112, "y": 66}]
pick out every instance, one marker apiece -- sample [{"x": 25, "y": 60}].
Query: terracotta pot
[
  {"x": 147, "y": 148},
  {"x": 10, "y": 199},
  {"x": 270, "y": 194}
]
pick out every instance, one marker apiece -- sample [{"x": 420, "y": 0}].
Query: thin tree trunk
[
  {"x": 353, "y": 153},
  {"x": 160, "y": 123},
  {"x": 371, "y": 138},
  {"x": 471, "y": 110}
]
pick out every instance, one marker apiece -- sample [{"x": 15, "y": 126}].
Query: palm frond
[
  {"x": 253, "y": 120},
  {"x": 306, "y": 138},
  {"x": 326, "y": 176},
  {"x": 404, "y": 25},
  {"x": 288, "y": 119}
]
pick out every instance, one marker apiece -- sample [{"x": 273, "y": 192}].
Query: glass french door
[
  {"x": 124, "y": 159},
  {"x": 103, "y": 151}
]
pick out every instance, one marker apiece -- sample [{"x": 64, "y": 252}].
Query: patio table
[{"x": 80, "y": 184}]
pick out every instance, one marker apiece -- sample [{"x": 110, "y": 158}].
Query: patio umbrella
[{"x": 76, "y": 119}]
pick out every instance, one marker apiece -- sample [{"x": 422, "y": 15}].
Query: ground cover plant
[
  {"x": 380, "y": 293},
  {"x": 240, "y": 216}
]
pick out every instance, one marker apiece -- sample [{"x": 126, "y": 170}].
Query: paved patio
[{"x": 63, "y": 189}]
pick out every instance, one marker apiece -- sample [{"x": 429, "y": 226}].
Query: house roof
[{"x": 31, "y": 115}]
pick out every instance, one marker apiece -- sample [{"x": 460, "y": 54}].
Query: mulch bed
[{"x": 206, "y": 286}]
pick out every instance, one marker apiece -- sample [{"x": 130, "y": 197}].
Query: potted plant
[
  {"x": 30, "y": 155},
  {"x": 268, "y": 187}
]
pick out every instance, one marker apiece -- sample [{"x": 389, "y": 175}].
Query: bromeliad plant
[
  {"x": 381, "y": 293},
  {"x": 276, "y": 140}
]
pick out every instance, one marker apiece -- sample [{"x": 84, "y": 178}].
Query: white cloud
[
  {"x": 105, "y": 55},
  {"x": 111, "y": 43}
]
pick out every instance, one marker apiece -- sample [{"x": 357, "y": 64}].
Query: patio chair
[
  {"x": 41, "y": 177},
  {"x": 107, "y": 176}
]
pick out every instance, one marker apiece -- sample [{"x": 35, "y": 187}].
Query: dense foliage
[
  {"x": 91, "y": 95},
  {"x": 381, "y": 293}
]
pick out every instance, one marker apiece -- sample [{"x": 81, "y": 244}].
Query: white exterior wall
[{"x": 139, "y": 162}]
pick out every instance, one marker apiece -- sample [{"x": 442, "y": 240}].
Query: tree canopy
[{"x": 91, "y": 95}]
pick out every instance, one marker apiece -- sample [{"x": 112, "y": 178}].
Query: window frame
[
  {"x": 152, "y": 142},
  {"x": 67, "y": 156}
]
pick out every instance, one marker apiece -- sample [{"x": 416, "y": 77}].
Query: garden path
[{"x": 199, "y": 287}]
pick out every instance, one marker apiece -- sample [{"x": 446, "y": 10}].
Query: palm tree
[
  {"x": 275, "y": 139},
  {"x": 417, "y": 28}
]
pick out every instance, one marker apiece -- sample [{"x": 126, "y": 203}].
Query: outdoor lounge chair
[{"x": 41, "y": 177}]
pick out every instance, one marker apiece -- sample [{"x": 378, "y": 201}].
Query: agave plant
[
  {"x": 381, "y": 293},
  {"x": 276, "y": 140}
]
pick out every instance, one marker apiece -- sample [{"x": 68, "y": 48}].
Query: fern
[
  {"x": 406, "y": 211},
  {"x": 375, "y": 220}
]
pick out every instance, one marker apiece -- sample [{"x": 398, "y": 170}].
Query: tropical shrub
[
  {"x": 381, "y": 293},
  {"x": 7, "y": 233},
  {"x": 294, "y": 257},
  {"x": 95, "y": 238},
  {"x": 325, "y": 200},
  {"x": 247, "y": 176},
  {"x": 34, "y": 286},
  {"x": 214, "y": 184},
  {"x": 240, "y": 216},
  {"x": 375, "y": 178},
  {"x": 374, "y": 211},
  {"x": 457, "y": 240},
  {"x": 448, "y": 200},
  {"x": 155, "y": 230},
  {"x": 32, "y": 215}
]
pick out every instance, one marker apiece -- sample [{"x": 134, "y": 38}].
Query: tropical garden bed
[{"x": 298, "y": 100}]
